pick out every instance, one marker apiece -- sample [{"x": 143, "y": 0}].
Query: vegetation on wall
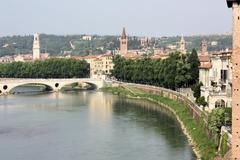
[
  {"x": 219, "y": 117},
  {"x": 174, "y": 72},
  {"x": 196, "y": 129},
  {"x": 52, "y": 68}
]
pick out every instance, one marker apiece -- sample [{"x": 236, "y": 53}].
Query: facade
[
  {"x": 215, "y": 74},
  {"x": 124, "y": 43},
  {"x": 86, "y": 37},
  {"x": 6, "y": 59},
  {"x": 100, "y": 66},
  {"x": 36, "y": 47}
]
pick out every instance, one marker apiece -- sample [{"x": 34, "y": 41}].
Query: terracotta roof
[
  {"x": 204, "y": 58},
  {"x": 132, "y": 56},
  {"x": 206, "y": 66}
]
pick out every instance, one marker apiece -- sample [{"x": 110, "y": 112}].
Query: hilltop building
[
  {"x": 86, "y": 37},
  {"x": 36, "y": 47},
  {"x": 216, "y": 75}
]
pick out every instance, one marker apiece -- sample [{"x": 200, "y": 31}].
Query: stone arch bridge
[{"x": 6, "y": 85}]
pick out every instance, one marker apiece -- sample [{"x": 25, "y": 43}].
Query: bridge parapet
[{"x": 6, "y": 85}]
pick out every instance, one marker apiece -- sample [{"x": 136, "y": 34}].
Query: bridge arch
[
  {"x": 48, "y": 87},
  {"x": 6, "y": 85}
]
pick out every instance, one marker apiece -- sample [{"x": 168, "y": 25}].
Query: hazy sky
[{"x": 107, "y": 17}]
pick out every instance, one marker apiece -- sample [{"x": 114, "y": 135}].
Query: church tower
[
  {"x": 36, "y": 47},
  {"x": 204, "y": 47},
  {"x": 123, "y": 43},
  {"x": 235, "y": 5},
  {"x": 182, "y": 46}
]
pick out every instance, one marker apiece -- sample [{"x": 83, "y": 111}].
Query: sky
[{"x": 107, "y": 17}]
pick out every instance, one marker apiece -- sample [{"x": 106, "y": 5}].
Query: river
[{"x": 88, "y": 126}]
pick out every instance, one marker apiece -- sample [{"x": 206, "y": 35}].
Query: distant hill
[{"x": 56, "y": 45}]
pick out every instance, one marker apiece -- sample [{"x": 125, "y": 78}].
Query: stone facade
[
  {"x": 100, "y": 66},
  {"x": 235, "y": 4},
  {"x": 215, "y": 74}
]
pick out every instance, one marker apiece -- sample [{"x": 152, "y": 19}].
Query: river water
[{"x": 88, "y": 126}]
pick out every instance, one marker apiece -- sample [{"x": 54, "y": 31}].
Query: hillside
[{"x": 56, "y": 45}]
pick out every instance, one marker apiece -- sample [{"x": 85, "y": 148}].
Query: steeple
[
  {"x": 182, "y": 45},
  {"x": 204, "y": 47},
  {"x": 124, "y": 35},
  {"x": 123, "y": 43}
]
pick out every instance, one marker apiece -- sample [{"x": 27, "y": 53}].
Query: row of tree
[
  {"x": 52, "y": 68},
  {"x": 174, "y": 72}
]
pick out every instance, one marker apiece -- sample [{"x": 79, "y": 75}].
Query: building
[
  {"x": 6, "y": 59},
  {"x": 36, "y": 47},
  {"x": 182, "y": 46},
  {"x": 86, "y": 37},
  {"x": 145, "y": 41},
  {"x": 215, "y": 74},
  {"x": 124, "y": 43},
  {"x": 100, "y": 66}
]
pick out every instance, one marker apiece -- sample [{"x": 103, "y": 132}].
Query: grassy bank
[{"x": 204, "y": 147}]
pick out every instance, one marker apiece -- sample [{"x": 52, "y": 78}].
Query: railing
[{"x": 180, "y": 97}]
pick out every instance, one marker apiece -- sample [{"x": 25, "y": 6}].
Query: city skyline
[{"x": 108, "y": 18}]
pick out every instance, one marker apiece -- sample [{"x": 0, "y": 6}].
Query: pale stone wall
[{"x": 236, "y": 82}]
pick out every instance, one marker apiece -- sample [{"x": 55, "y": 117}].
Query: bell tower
[
  {"x": 204, "y": 47},
  {"x": 182, "y": 46},
  {"x": 235, "y": 5},
  {"x": 36, "y": 47},
  {"x": 123, "y": 43}
]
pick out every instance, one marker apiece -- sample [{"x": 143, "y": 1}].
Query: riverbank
[{"x": 203, "y": 147}]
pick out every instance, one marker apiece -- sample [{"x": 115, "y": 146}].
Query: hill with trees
[{"x": 58, "y": 44}]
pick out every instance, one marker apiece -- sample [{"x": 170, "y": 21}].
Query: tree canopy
[
  {"x": 52, "y": 68},
  {"x": 174, "y": 72}
]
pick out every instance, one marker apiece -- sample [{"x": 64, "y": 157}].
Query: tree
[
  {"x": 194, "y": 67},
  {"x": 220, "y": 117},
  {"x": 196, "y": 88},
  {"x": 51, "y": 68}
]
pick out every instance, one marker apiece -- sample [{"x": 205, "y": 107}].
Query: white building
[{"x": 215, "y": 74}]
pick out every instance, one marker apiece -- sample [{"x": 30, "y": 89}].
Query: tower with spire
[
  {"x": 124, "y": 43},
  {"x": 182, "y": 46}
]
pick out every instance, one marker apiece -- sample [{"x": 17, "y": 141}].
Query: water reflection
[{"x": 88, "y": 125}]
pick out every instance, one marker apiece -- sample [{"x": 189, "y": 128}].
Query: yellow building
[{"x": 100, "y": 66}]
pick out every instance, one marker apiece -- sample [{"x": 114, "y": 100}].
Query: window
[{"x": 224, "y": 76}]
